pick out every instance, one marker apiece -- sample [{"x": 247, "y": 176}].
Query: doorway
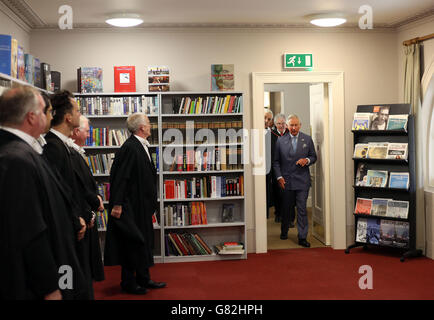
[
  {"x": 308, "y": 102},
  {"x": 334, "y": 175}
]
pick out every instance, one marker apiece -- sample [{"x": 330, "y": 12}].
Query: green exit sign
[{"x": 297, "y": 60}]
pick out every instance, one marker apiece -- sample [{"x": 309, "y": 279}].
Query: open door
[{"x": 318, "y": 121}]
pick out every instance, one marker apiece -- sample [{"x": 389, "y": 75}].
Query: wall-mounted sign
[{"x": 297, "y": 60}]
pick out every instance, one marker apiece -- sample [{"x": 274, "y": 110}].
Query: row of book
[
  {"x": 180, "y": 214},
  {"x": 382, "y": 207},
  {"x": 383, "y": 232},
  {"x": 104, "y": 190},
  {"x": 106, "y": 137},
  {"x": 100, "y": 163},
  {"x": 381, "y": 150},
  {"x": 379, "y": 119},
  {"x": 203, "y": 125},
  {"x": 185, "y": 244},
  {"x": 210, "y": 105},
  {"x": 17, "y": 64},
  {"x": 204, "y": 187},
  {"x": 207, "y": 159},
  {"x": 104, "y": 105},
  {"x": 230, "y": 247},
  {"x": 101, "y": 220},
  {"x": 379, "y": 178}
]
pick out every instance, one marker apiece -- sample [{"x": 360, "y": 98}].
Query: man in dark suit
[
  {"x": 278, "y": 131},
  {"x": 133, "y": 201},
  {"x": 40, "y": 240},
  {"x": 268, "y": 116},
  {"x": 294, "y": 153},
  {"x": 90, "y": 202}
]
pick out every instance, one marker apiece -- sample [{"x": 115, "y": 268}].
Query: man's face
[
  {"x": 382, "y": 117},
  {"x": 280, "y": 125},
  {"x": 267, "y": 120},
  {"x": 82, "y": 134},
  {"x": 75, "y": 114},
  {"x": 49, "y": 116},
  {"x": 294, "y": 126},
  {"x": 147, "y": 127},
  {"x": 40, "y": 120}
]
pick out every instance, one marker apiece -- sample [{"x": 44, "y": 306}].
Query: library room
[{"x": 204, "y": 151}]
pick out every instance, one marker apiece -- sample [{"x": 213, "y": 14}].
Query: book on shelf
[
  {"x": 37, "y": 81},
  {"x": 100, "y": 163},
  {"x": 155, "y": 221},
  {"x": 228, "y": 214},
  {"x": 387, "y": 232},
  {"x": 379, "y": 207},
  {"x": 104, "y": 190},
  {"x": 397, "y": 151},
  {"x": 230, "y": 248},
  {"x": 361, "y": 175},
  {"x": 125, "y": 79},
  {"x": 397, "y": 122},
  {"x": 14, "y": 58},
  {"x": 46, "y": 76},
  {"x": 380, "y": 117},
  {"x": 397, "y": 209},
  {"x": 158, "y": 78},
  {"x": 222, "y": 77},
  {"x": 373, "y": 231},
  {"x": 89, "y": 80},
  {"x": 361, "y": 150},
  {"x": 377, "y": 150},
  {"x": 21, "y": 64},
  {"x": 5, "y": 54},
  {"x": 377, "y": 178},
  {"x": 361, "y": 121},
  {"x": 180, "y": 214},
  {"x": 208, "y": 105},
  {"x": 362, "y": 227},
  {"x": 29, "y": 61},
  {"x": 56, "y": 80},
  {"x": 101, "y": 220},
  {"x": 186, "y": 244},
  {"x": 399, "y": 180},
  {"x": 402, "y": 234},
  {"x": 363, "y": 206}
]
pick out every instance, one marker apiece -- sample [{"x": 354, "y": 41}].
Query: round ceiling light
[
  {"x": 327, "y": 19},
  {"x": 124, "y": 20}
]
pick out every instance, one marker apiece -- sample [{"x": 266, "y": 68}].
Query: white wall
[
  {"x": 368, "y": 59},
  {"x": 7, "y": 26}
]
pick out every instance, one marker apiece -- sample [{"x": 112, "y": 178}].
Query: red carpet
[{"x": 316, "y": 273}]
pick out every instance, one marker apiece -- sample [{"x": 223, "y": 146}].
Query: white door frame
[{"x": 336, "y": 129}]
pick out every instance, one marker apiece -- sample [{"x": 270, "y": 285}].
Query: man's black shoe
[
  {"x": 155, "y": 285},
  {"x": 134, "y": 289},
  {"x": 303, "y": 243},
  {"x": 284, "y": 236}
]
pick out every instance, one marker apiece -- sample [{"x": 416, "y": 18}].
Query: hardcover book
[
  {"x": 158, "y": 78},
  {"x": 21, "y": 64},
  {"x": 55, "y": 81},
  {"x": 397, "y": 122},
  {"x": 46, "y": 76},
  {"x": 361, "y": 121},
  {"x": 399, "y": 180},
  {"x": 222, "y": 77},
  {"x": 37, "y": 80},
  {"x": 30, "y": 67},
  {"x": 89, "y": 80},
  {"x": 363, "y": 206},
  {"x": 5, "y": 54},
  {"x": 125, "y": 79},
  {"x": 14, "y": 58}
]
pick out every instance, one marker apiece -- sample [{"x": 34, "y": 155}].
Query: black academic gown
[
  {"x": 34, "y": 207},
  {"x": 133, "y": 185},
  {"x": 276, "y": 192},
  {"x": 60, "y": 160},
  {"x": 90, "y": 202}
]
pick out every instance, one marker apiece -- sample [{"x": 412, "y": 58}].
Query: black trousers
[{"x": 131, "y": 277}]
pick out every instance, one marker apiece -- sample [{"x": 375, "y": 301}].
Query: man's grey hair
[
  {"x": 268, "y": 111},
  {"x": 15, "y": 103},
  {"x": 136, "y": 120},
  {"x": 83, "y": 121},
  {"x": 293, "y": 116},
  {"x": 279, "y": 116}
]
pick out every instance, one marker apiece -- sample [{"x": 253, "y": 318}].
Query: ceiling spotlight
[
  {"x": 124, "y": 20},
  {"x": 327, "y": 19}
]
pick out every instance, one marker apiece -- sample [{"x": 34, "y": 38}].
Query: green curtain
[{"x": 412, "y": 76}]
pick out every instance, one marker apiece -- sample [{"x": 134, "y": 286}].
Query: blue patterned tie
[{"x": 294, "y": 144}]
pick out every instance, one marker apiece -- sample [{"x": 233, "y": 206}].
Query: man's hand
[
  {"x": 281, "y": 183},
  {"x": 116, "y": 212},
  {"x": 302, "y": 162},
  {"x": 82, "y": 231},
  {"x": 101, "y": 204},
  {"x": 55, "y": 295}
]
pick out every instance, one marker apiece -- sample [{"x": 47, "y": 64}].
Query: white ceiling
[{"x": 187, "y": 13}]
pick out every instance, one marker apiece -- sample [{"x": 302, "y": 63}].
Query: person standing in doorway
[
  {"x": 294, "y": 153},
  {"x": 268, "y": 116}
]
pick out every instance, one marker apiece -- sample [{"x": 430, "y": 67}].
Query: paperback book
[
  {"x": 361, "y": 121},
  {"x": 397, "y": 122},
  {"x": 125, "y": 79},
  {"x": 89, "y": 80},
  {"x": 397, "y": 151},
  {"x": 363, "y": 206},
  {"x": 399, "y": 180},
  {"x": 380, "y": 117}
]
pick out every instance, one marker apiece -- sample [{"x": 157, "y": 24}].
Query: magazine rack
[{"x": 407, "y": 245}]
